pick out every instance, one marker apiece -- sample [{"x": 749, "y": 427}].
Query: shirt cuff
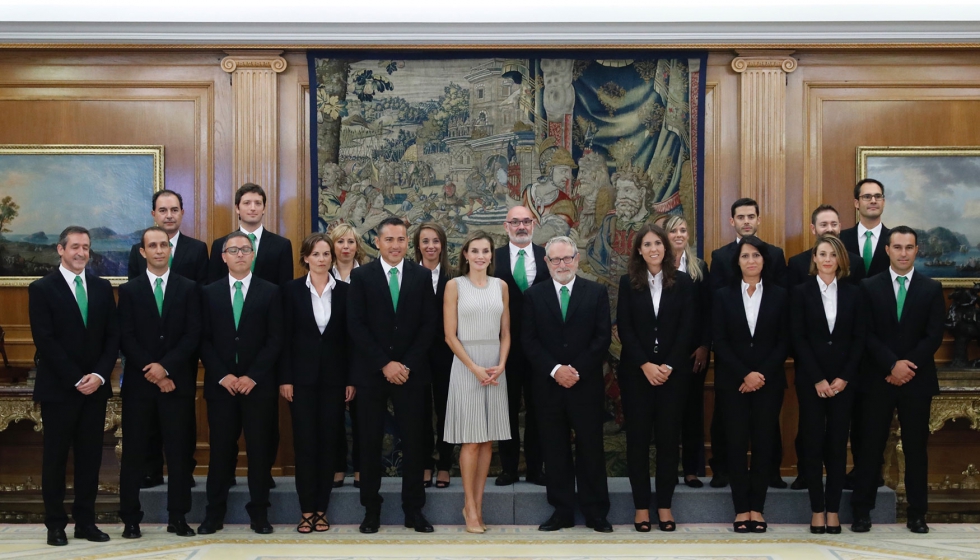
[
  {"x": 167, "y": 373},
  {"x": 554, "y": 370},
  {"x": 102, "y": 379}
]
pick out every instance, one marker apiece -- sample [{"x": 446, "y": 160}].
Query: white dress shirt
[
  {"x": 828, "y": 295},
  {"x": 530, "y": 267},
  {"x": 153, "y": 281},
  {"x": 683, "y": 265},
  {"x": 245, "y": 283},
  {"x": 558, "y": 287},
  {"x": 321, "y": 302},
  {"x": 173, "y": 243},
  {"x": 656, "y": 284},
  {"x": 258, "y": 237},
  {"x": 875, "y": 234},
  {"x": 435, "y": 278},
  {"x": 751, "y": 304},
  {"x": 387, "y": 268},
  {"x": 895, "y": 275},
  {"x": 69, "y": 277},
  {"x": 336, "y": 273}
]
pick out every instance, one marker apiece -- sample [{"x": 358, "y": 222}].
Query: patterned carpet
[{"x": 717, "y": 542}]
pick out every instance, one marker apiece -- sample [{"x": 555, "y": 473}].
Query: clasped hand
[
  {"x": 566, "y": 376},
  {"x": 752, "y": 382},
  {"x": 902, "y": 373},
  {"x": 827, "y": 390},
  {"x": 238, "y": 385},
  {"x": 656, "y": 375},
  {"x": 154, "y": 373},
  {"x": 488, "y": 376},
  {"x": 89, "y": 384},
  {"x": 395, "y": 372}
]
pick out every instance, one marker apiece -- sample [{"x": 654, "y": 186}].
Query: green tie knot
[{"x": 393, "y": 286}]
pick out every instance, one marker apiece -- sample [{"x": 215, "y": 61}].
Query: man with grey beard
[
  {"x": 610, "y": 249},
  {"x": 566, "y": 335}
]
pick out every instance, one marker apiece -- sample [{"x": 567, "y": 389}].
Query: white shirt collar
[
  {"x": 387, "y": 267},
  {"x": 70, "y": 278},
  {"x": 437, "y": 270},
  {"x": 908, "y": 276},
  {"x": 824, "y": 287},
  {"x": 331, "y": 282},
  {"x": 875, "y": 231},
  {"x": 656, "y": 280},
  {"x": 570, "y": 285},
  {"x": 336, "y": 272},
  {"x": 153, "y": 278},
  {"x": 257, "y": 233},
  {"x": 173, "y": 242},
  {"x": 514, "y": 249},
  {"x": 683, "y": 266},
  {"x": 245, "y": 282},
  {"x": 758, "y": 289}
]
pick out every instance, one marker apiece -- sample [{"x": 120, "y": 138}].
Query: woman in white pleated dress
[{"x": 477, "y": 323}]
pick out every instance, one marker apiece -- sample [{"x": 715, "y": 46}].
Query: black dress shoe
[
  {"x": 777, "y": 482},
  {"x": 338, "y": 483},
  {"x": 272, "y": 483},
  {"x": 818, "y": 529},
  {"x": 90, "y": 533},
  {"x": 556, "y": 522},
  {"x": 180, "y": 528},
  {"x": 798, "y": 484},
  {"x": 918, "y": 525},
  {"x": 356, "y": 483},
  {"x": 132, "y": 531},
  {"x": 861, "y": 524},
  {"x": 719, "y": 480},
  {"x": 262, "y": 527},
  {"x": 418, "y": 522},
  {"x": 506, "y": 479},
  {"x": 694, "y": 483},
  {"x": 209, "y": 526},
  {"x": 57, "y": 537},
  {"x": 371, "y": 523},
  {"x": 833, "y": 529},
  {"x": 151, "y": 481},
  {"x": 599, "y": 525},
  {"x": 536, "y": 479}
]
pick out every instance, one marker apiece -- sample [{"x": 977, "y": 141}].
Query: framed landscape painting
[
  {"x": 936, "y": 191},
  {"x": 45, "y": 188}
]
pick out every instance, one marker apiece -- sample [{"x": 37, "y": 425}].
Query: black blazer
[
  {"x": 171, "y": 341},
  {"x": 190, "y": 260},
  {"x": 737, "y": 351},
  {"x": 440, "y": 354},
  {"x": 67, "y": 349},
  {"x": 516, "y": 360},
  {"x": 308, "y": 357},
  {"x": 820, "y": 354},
  {"x": 273, "y": 262},
  {"x": 640, "y": 328},
  {"x": 723, "y": 275},
  {"x": 582, "y": 340},
  {"x": 916, "y": 337},
  {"x": 256, "y": 343},
  {"x": 702, "y": 298},
  {"x": 879, "y": 261},
  {"x": 799, "y": 269},
  {"x": 381, "y": 335}
]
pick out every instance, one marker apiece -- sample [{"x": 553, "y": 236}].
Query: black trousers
[
  {"x": 913, "y": 418},
  {"x": 824, "y": 423},
  {"x": 340, "y": 458},
  {"x": 750, "y": 421},
  {"x": 76, "y": 424},
  {"x": 139, "y": 415},
  {"x": 409, "y": 402},
  {"x": 719, "y": 438},
  {"x": 153, "y": 465},
  {"x": 692, "y": 425},
  {"x": 255, "y": 415},
  {"x": 318, "y": 426},
  {"x": 557, "y": 418},
  {"x": 518, "y": 391},
  {"x": 436, "y": 397},
  {"x": 655, "y": 411}
]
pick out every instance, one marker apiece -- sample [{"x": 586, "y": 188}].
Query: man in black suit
[
  {"x": 391, "y": 320},
  {"x": 521, "y": 264},
  {"x": 188, "y": 258},
  {"x": 905, "y": 331},
  {"x": 745, "y": 221},
  {"x": 240, "y": 350},
  {"x": 566, "y": 336},
  {"x": 159, "y": 330},
  {"x": 73, "y": 323}
]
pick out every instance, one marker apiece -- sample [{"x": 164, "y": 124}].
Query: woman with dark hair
[
  {"x": 692, "y": 417},
  {"x": 828, "y": 320},
  {"x": 314, "y": 374},
  {"x": 431, "y": 251},
  {"x": 751, "y": 339},
  {"x": 656, "y": 327},
  {"x": 477, "y": 329}
]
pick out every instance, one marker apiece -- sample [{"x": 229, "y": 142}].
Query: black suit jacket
[
  {"x": 273, "y": 262},
  {"x": 440, "y": 354},
  {"x": 308, "y": 357},
  {"x": 916, "y": 337},
  {"x": 516, "y": 360},
  {"x": 737, "y": 351},
  {"x": 380, "y": 334},
  {"x": 672, "y": 329},
  {"x": 581, "y": 341},
  {"x": 723, "y": 275},
  {"x": 798, "y": 270},
  {"x": 822, "y": 355},
  {"x": 171, "y": 341},
  {"x": 67, "y": 349},
  {"x": 702, "y": 296},
  {"x": 879, "y": 261},
  {"x": 256, "y": 342},
  {"x": 190, "y": 260}
]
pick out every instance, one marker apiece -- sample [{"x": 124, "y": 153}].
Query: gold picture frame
[
  {"x": 933, "y": 190},
  {"x": 46, "y": 187}
]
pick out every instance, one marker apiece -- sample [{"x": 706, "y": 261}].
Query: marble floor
[{"x": 716, "y": 542}]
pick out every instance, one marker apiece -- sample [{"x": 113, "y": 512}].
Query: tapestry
[{"x": 595, "y": 144}]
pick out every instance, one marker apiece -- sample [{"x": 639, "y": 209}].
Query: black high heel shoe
[
  {"x": 759, "y": 526},
  {"x": 818, "y": 529},
  {"x": 833, "y": 529},
  {"x": 667, "y": 526},
  {"x": 642, "y": 526},
  {"x": 744, "y": 526}
]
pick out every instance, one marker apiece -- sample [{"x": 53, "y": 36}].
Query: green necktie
[
  {"x": 255, "y": 252},
  {"x": 901, "y": 295},
  {"x": 170, "y": 263},
  {"x": 564, "y": 301},
  {"x": 867, "y": 250},
  {"x": 82, "y": 299},
  {"x": 393, "y": 286},
  {"x": 237, "y": 303},
  {"x": 520, "y": 273},
  {"x": 158, "y": 295}
]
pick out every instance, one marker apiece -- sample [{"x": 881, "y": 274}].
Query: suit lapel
[
  {"x": 386, "y": 288},
  {"x": 911, "y": 294},
  {"x": 552, "y": 303},
  {"x": 575, "y": 300},
  {"x": 815, "y": 300},
  {"x": 306, "y": 308},
  {"x": 250, "y": 301},
  {"x": 541, "y": 272},
  {"x": 504, "y": 265},
  {"x": 145, "y": 293},
  {"x": 67, "y": 295},
  {"x": 743, "y": 322},
  {"x": 180, "y": 253}
]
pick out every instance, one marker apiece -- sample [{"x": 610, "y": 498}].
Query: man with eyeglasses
[
  {"x": 521, "y": 264},
  {"x": 240, "y": 346},
  {"x": 566, "y": 334}
]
